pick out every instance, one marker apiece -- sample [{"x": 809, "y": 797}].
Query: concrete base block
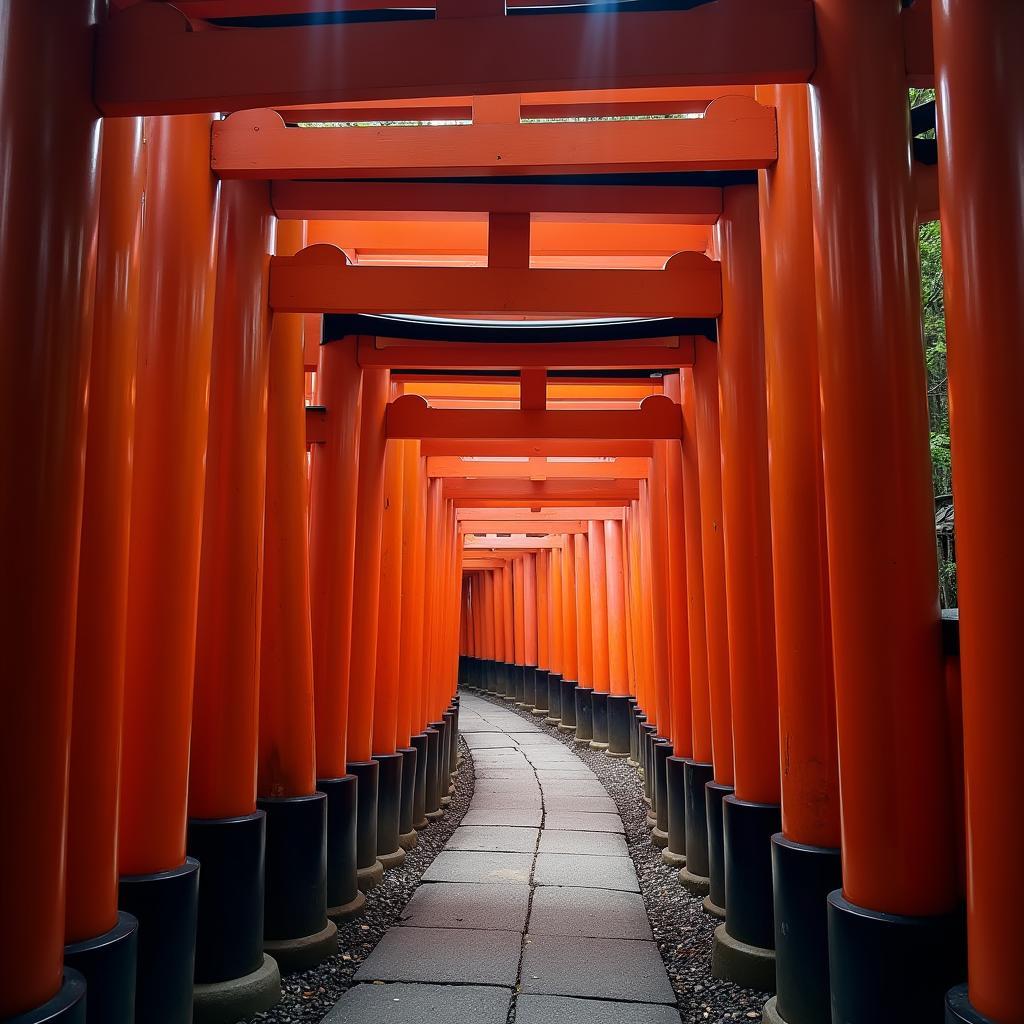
[
  {"x": 367, "y": 878},
  {"x": 434, "y": 815},
  {"x": 304, "y": 952},
  {"x": 699, "y": 885},
  {"x": 395, "y": 859},
  {"x": 659, "y": 838},
  {"x": 749, "y": 966},
  {"x": 770, "y": 1014},
  {"x": 348, "y": 910},
  {"x": 713, "y": 908},
  {"x": 673, "y": 860},
  {"x": 224, "y": 1002},
  {"x": 408, "y": 840},
  {"x": 598, "y": 745}
]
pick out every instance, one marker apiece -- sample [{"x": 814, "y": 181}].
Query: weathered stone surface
[
  {"x": 416, "y": 1004},
  {"x": 584, "y": 821},
  {"x": 616, "y": 873},
  {"x": 533, "y": 1009},
  {"x": 591, "y": 913},
  {"x": 468, "y": 905},
  {"x": 491, "y": 868},
  {"x": 583, "y": 844},
  {"x": 494, "y": 839}
]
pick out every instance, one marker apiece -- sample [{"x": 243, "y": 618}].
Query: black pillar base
[
  {"x": 599, "y": 711},
  {"x": 444, "y": 777},
  {"x": 389, "y": 810},
  {"x": 540, "y": 701},
  {"x": 528, "y": 699},
  {"x": 802, "y": 877},
  {"x": 714, "y": 794},
  {"x": 888, "y": 968},
  {"x": 584, "y": 700},
  {"x": 959, "y": 1009},
  {"x": 419, "y": 802},
  {"x": 696, "y": 775},
  {"x": 369, "y": 870},
  {"x": 619, "y": 710},
  {"x": 233, "y": 976},
  {"x": 433, "y": 792},
  {"x": 410, "y": 764},
  {"x": 568, "y": 698},
  {"x": 645, "y": 736},
  {"x": 166, "y": 906},
  {"x": 674, "y": 853},
  {"x": 107, "y": 962},
  {"x": 66, "y": 1007},
  {"x": 512, "y": 680},
  {"x": 296, "y": 931},
  {"x": 344, "y": 900},
  {"x": 554, "y": 715},
  {"x": 636, "y": 719},
  {"x": 451, "y": 716},
  {"x": 662, "y": 751}
]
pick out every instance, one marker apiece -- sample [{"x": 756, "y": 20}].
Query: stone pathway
[{"x": 531, "y": 913}]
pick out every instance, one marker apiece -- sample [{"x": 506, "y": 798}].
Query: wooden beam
[
  {"x": 736, "y": 133},
  {"x": 148, "y": 62},
  {"x": 473, "y": 528},
  {"x": 320, "y": 280},
  {"x": 480, "y": 562},
  {"x": 539, "y": 491},
  {"x": 658, "y": 418},
  {"x": 620, "y": 469},
  {"x": 551, "y": 516},
  {"x": 339, "y": 200},
  {"x": 512, "y": 545},
  {"x": 657, "y": 354},
  {"x": 528, "y": 447}
]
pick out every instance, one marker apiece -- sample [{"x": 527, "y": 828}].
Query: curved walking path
[{"x": 532, "y": 912}]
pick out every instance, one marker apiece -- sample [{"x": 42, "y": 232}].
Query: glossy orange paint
[
  {"x": 803, "y": 624},
  {"x": 979, "y": 73},
  {"x": 389, "y": 613},
  {"x": 530, "y": 646},
  {"x": 543, "y": 610},
  {"x": 508, "y": 614},
  {"x": 518, "y": 610},
  {"x": 332, "y": 532},
  {"x": 94, "y": 772},
  {"x": 225, "y": 706},
  {"x": 286, "y": 764},
  {"x": 172, "y": 389},
  {"x": 885, "y": 616},
  {"x": 599, "y": 606},
  {"x": 435, "y": 506},
  {"x": 584, "y": 634},
  {"x": 413, "y": 568},
  {"x": 709, "y": 467},
  {"x": 498, "y": 589},
  {"x": 618, "y": 678},
  {"x": 653, "y": 508},
  {"x": 555, "y": 637},
  {"x": 570, "y": 645}
]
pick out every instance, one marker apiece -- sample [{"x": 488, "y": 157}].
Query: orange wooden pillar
[
  {"x": 519, "y": 628},
  {"x": 530, "y": 645},
  {"x": 47, "y": 278},
  {"x": 365, "y": 609},
  {"x": 698, "y": 771},
  {"x": 805, "y": 855},
  {"x": 980, "y": 90},
  {"x": 226, "y": 832},
  {"x": 543, "y": 632},
  {"x": 584, "y": 641},
  {"x": 297, "y": 931},
  {"x": 899, "y": 859},
  {"x": 674, "y": 853},
  {"x": 641, "y": 620},
  {"x": 752, "y": 815},
  {"x": 390, "y": 851},
  {"x": 101, "y": 941},
  {"x": 412, "y": 739},
  {"x": 570, "y": 640},
  {"x": 498, "y": 610},
  {"x": 176, "y": 312},
  {"x": 332, "y": 518},
  {"x": 709, "y": 465},
  {"x": 599, "y": 633},
  {"x": 508, "y": 613},
  {"x": 618, "y": 704},
  {"x": 555, "y": 637},
  {"x": 436, "y": 561}
]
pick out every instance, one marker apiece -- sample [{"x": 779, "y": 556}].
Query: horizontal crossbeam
[
  {"x": 519, "y": 447},
  {"x": 553, "y": 517},
  {"x": 537, "y": 492},
  {"x": 451, "y": 467}
]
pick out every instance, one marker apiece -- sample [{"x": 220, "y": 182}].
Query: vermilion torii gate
[{"x": 678, "y": 241}]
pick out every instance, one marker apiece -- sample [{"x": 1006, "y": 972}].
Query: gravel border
[
  {"x": 307, "y": 996},
  {"x": 682, "y": 929}
]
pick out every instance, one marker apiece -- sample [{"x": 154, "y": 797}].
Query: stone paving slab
[
  {"x": 484, "y": 740},
  {"x": 590, "y": 913},
  {"x": 562, "y": 789},
  {"x": 570, "y": 802},
  {"x": 484, "y": 774},
  {"x": 583, "y": 844},
  {"x": 492, "y": 868},
  {"x": 595, "y": 872},
  {"x": 531, "y": 1009},
  {"x": 568, "y": 773},
  {"x": 453, "y": 956},
  {"x": 415, "y": 1004},
  {"x": 584, "y": 821},
  {"x": 468, "y": 905},
  {"x": 534, "y": 739},
  {"x": 494, "y": 839},
  {"x": 508, "y": 818},
  {"x": 620, "y": 969},
  {"x": 490, "y": 801}
]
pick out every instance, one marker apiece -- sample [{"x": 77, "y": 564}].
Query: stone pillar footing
[
  {"x": 738, "y": 962},
  {"x": 699, "y": 885},
  {"x": 889, "y": 968},
  {"x": 225, "y": 1002},
  {"x": 107, "y": 962}
]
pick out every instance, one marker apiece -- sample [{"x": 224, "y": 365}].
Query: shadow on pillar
[
  {"x": 528, "y": 700},
  {"x": 714, "y": 902},
  {"x": 389, "y": 810},
  {"x": 599, "y": 715},
  {"x": 420, "y": 744},
  {"x": 886, "y": 968},
  {"x": 369, "y": 870},
  {"x": 444, "y": 765},
  {"x": 584, "y": 715},
  {"x": 296, "y": 931},
  {"x": 540, "y": 696},
  {"x": 108, "y": 964},
  {"x": 554, "y": 716},
  {"x": 661, "y": 751},
  {"x": 166, "y": 906},
  {"x": 433, "y": 792},
  {"x": 344, "y": 900},
  {"x": 674, "y": 853},
  {"x": 636, "y": 719},
  {"x": 744, "y": 947},
  {"x": 803, "y": 876},
  {"x": 234, "y": 978},
  {"x": 407, "y": 837},
  {"x": 568, "y": 697},
  {"x": 695, "y": 876},
  {"x": 619, "y": 713}
]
